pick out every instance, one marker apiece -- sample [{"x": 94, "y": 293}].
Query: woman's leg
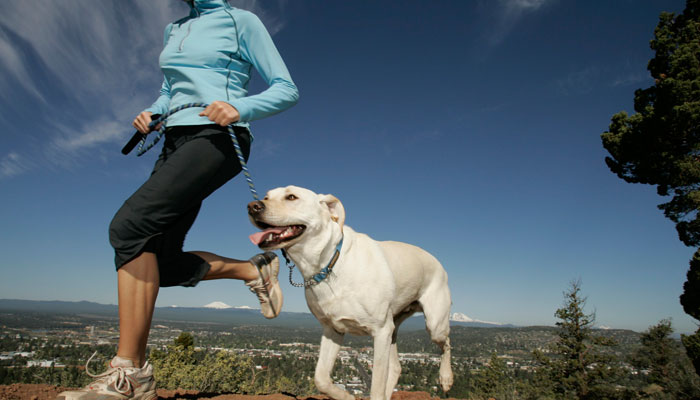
[
  {"x": 138, "y": 288},
  {"x": 227, "y": 268},
  {"x": 128, "y": 377},
  {"x": 156, "y": 219},
  {"x": 259, "y": 273}
]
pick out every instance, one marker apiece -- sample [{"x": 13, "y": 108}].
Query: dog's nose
[{"x": 256, "y": 207}]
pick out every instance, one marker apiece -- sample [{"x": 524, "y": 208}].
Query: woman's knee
[
  {"x": 116, "y": 226},
  {"x": 126, "y": 228}
]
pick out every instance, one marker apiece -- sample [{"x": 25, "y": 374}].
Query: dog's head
[{"x": 291, "y": 215}]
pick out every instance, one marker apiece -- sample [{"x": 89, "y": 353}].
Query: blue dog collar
[{"x": 323, "y": 273}]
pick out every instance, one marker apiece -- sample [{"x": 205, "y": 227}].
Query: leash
[
  {"x": 321, "y": 275},
  {"x": 160, "y": 119}
]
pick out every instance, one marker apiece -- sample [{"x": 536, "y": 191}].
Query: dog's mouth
[{"x": 272, "y": 236}]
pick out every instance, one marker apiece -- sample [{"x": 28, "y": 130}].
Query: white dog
[{"x": 355, "y": 284}]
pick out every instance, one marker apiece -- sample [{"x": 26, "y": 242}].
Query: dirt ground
[{"x": 47, "y": 392}]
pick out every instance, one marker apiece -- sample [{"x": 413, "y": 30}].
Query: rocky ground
[{"x": 47, "y": 392}]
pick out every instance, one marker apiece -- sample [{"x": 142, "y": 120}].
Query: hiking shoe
[
  {"x": 121, "y": 381},
  {"x": 267, "y": 287}
]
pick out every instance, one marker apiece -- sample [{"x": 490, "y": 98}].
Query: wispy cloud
[
  {"x": 266, "y": 148},
  {"x": 579, "y": 82},
  {"x": 97, "y": 65},
  {"x": 595, "y": 77},
  {"x": 14, "y": 164},
  {"x": 505, "y": 17},
  {"x": 83, "y": 47},
  {"x": 71, "y": 145},
  {"x": 271, "y": 14},
  {"x": 75, "y": 141},
  {"x": 12, "y": 60},
  {"x": 630, "y": 79}
]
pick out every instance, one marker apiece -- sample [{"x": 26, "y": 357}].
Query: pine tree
[
  {"x": 579, "y": 368},
  {"x": 495, "y": 381},
  {"x": 182, "y": 367},
  {"x": 185, "y": 340},
  {"x": 660, "y": 144},
  {"x": 668, "y": 371}
]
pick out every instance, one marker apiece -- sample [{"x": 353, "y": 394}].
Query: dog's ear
[{"x": 335, "y": 207}]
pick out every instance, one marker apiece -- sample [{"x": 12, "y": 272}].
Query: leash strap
[
  {"x": 161, "y": 120},
  {"x": 321, "y": 275}
]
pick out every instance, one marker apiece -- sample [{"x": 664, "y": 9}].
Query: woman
[{"x": 207, "y": 57}]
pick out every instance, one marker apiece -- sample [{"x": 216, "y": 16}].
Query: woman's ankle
[{"x": 136, "y": 361}]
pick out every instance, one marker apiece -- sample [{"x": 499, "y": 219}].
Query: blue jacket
[{"x": 208, "y": 56}]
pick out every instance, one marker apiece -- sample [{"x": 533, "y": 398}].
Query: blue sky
[{"x": 469, "y": 128}]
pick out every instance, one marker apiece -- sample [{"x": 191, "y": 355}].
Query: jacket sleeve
[
  {"x": 257, "y": 48},
  {"x": 162, "y": 103}
]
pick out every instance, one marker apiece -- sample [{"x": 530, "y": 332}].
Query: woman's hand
[
  {"x": 221, "y": 113},
  {"x": 141, "y": 122}
]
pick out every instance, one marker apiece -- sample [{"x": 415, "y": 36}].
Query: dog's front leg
[
  {"x": 382, "y": 352},
  {"x": 330, "y": 345}
]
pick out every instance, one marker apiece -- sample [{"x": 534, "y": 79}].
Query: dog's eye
[{"x": 291, "y": 197}]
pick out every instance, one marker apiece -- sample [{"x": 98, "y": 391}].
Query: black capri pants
[{"x": 195, "y": 161}]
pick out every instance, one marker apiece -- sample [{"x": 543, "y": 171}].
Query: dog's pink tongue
[{"x": 258, "y": 237}]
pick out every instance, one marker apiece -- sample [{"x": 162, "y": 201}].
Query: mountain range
[{"x": 216, "y": 312}]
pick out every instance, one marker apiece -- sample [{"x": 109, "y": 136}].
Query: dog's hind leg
[
  {"x": 330, "y": 345},
  {"x": 436, "y": 308}
]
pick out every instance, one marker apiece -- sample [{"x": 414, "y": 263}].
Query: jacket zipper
[{"x": 189, "y": 28}]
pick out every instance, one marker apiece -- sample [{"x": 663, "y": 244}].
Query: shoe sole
[
  {"x": 261, "y": 261},
  {"x": 150, "y": 395}
]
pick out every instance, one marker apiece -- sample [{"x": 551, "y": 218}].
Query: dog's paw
[{"x": 446, "y": 380}]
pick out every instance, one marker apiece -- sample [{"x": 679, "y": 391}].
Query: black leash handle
[
  {"x": 158, "y": 118},
  {"x": 136, "y": 138}
]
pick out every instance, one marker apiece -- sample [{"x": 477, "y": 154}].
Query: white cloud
[
  {"x": 588, "y": 79},
  {"x": 579, "y": 82},
  {"x": 267, "y": 148},
  {"x": 91, "y": 136},
  {"x": 508, "y": 14},
  {"x": 12, "y": 61},
  {"x": 271, "y": 16},
  {"x": 524, "y": 4},
  {"x": 100, "y": 61},
  {"x": 14, "y": 164},
  {"x": 70, "y": 145},
  {"x": 84, "y": 45},
  {"x": 631, "y": 79}
]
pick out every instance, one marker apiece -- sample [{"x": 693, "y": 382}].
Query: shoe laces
[
  {"x": 259, "y": 288},
  {"x": 115, "y": 374}
]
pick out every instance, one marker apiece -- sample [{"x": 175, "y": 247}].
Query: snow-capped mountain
[
  {"x": 459, "y": 317},
  {"x": 220, "y": 305}
]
